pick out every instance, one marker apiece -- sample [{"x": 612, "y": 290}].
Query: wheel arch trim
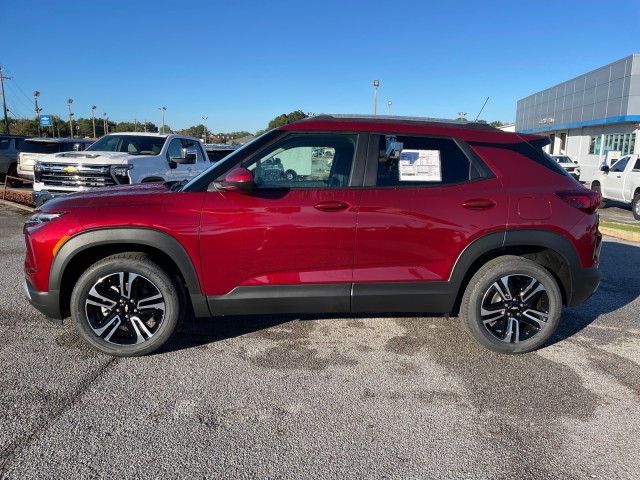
[
  {"x": 129, "y": 235},
  {"x": 513, "y": 238}
]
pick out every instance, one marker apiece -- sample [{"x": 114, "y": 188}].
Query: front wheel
[
  {"x": 511, "y": 305},
  {"x": 13, "y": 172},
  {"x": 127, "y": 305}
]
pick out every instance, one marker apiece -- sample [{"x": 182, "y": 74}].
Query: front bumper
[
  {"x": 42, "y": 196},
  {"x": 46, "y": 302}
]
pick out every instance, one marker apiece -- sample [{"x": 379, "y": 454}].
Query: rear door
[{"x": 425, "y": 199}]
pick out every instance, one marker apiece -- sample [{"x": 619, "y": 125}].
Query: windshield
[
  {"x": 132, "y": 144},
  {"x": 40, "y": 147},
  {"x": 563, "y": 159}
]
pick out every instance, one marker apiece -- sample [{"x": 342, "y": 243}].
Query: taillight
[{"x": 585, "y": 200}]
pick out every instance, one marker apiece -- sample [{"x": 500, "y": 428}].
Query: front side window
[
  {"x": 421, "y": 161},
  {"x": 620, "y": 165},
  {"x": 305, "y": 161},
  {"x": 4, "y": 143}
]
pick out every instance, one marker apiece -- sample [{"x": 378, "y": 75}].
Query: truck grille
[{"x": 73, "y": 175}]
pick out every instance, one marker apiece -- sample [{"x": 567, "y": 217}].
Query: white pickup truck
[
  {"x": 117, "y": 159},
  {"x": 620, "y": 182}
]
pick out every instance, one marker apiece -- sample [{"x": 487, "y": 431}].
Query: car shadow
[{"x": 619, "y": 287}]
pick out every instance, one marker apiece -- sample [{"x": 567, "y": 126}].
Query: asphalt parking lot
[{"x": 323, "y": 397}]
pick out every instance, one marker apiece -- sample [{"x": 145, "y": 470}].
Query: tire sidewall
[
  {"x": 479, "y": 285},
  {"x": 173, "y": 304}
]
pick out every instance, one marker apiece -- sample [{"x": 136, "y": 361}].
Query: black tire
[
  {"x": 496, "y": 315},
  {"x": 635, "y": 206},
  {"x": 13, "y": 172},
  {"x": 596, "y": 188},
  {"x": 107, "y": 306},
  {"x": 290, "y": 175}
]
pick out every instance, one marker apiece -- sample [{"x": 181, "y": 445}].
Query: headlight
[
  {"x": 121, "y": 173},
  {"x": 37, "y": 171},
  {"x": 42, "y": 217}
]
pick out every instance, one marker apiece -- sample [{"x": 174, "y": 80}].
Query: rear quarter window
[{"x": 424, "y": 161}]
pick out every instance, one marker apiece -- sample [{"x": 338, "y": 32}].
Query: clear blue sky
[{"x": 243, "y": 63}]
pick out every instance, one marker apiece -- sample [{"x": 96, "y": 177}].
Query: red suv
[{"x": 406, "y": 215}]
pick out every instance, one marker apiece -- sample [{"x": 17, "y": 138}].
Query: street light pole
[
  {"x": 376, "y": 84},
  {"x": 36, "y": 94},
  {"x": 106, "y": 123},
  {"x": 205, "y": 128},
  {"x": 69, "y": 102},
  {"x": 162, "y": 109},
  {"x": 389, "y": 103},
  {"x": 93, "y": 119}
]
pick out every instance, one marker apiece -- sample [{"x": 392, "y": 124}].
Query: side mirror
[
  {"x": 605, "y": 168},
  {"x": 237, "y": 180}
]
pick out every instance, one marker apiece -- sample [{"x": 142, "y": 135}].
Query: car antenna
[{"x": 485, "y": 103}]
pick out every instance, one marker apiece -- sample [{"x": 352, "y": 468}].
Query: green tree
[{"x": 283, "y": 119}]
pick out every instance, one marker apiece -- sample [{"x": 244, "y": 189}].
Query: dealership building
[{"x": 589, "y": 115}]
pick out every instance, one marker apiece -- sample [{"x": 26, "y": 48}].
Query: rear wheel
[
  {"x": 290, "y": 175},
  {"x": 127, "y": 305},
  {"x": 511, "y": 305},
  {"x": 596, "y": 188},
  {"x": 635, "y": 206}
]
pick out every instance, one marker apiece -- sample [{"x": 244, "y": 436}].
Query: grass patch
[{"x": 621, "y": 226}]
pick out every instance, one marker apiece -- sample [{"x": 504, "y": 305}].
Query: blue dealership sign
[{"x": 45, "y": 120}]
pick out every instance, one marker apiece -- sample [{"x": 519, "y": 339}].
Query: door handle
[
  {"x": 478, "y": 204},
  {"x": 332, "y": 206}
]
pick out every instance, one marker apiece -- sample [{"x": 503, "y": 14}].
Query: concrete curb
[
  {"x": 623, "y": 234},
  {"x": 16, "y": 205}
]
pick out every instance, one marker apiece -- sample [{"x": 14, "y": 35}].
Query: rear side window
[
  {"x": 4, "y": 143},
  {"x": 40, "y": 147},
  {"x": 422, "y": 161}
]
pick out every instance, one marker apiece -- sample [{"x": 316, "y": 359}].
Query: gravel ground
[{"x": 323, "y": 397}]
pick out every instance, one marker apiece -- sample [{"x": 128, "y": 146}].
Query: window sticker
[{"x": 420, "y": 166}]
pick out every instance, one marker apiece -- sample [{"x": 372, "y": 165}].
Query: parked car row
[
  {"x": 59, "y": 166},
  {"x": 18, "y": 154}
]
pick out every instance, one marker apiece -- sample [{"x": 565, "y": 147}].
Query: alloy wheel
[
  {"x": 515, "y": 308},
  {"x": 125, "y": 308}
]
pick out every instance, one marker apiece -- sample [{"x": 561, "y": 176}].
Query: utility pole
[
  {"x": 36, "y": 94},
  {"x": 205, "y": 128},
  {"x": 376, "y": 84},
  {"x": 162, "y": 109},
  {"x": 69, "y": 102},
  {"x": 93, "y": 119},
  {"x": 4, "y": 103}
]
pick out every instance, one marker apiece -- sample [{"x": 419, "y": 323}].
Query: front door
[{"x": 288, "y": 246}]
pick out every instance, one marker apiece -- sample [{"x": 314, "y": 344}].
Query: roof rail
[{"x": 396, "y": 119}]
